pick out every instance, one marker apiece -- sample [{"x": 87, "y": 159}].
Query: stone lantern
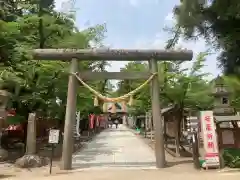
[{"x": 222, "y": 101}]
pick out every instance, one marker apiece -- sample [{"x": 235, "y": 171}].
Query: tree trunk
[
  {"x": 177, "y": 138},
  {"x": 40, "y": 26},
  {"x": 181, "y": 118},
  {"x": 178, "y": 120}
]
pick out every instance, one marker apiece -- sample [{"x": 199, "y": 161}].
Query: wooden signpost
[{"x": 53, "y": 139}]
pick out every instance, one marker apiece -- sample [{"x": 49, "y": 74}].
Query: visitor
[
  {"x": 116, "y": 122},
  {"x": 110, "y": 122}
]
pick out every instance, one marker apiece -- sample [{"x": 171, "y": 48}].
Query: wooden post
[
  {"x": 195, "y": 151},
  {"x": 151, "y": 94},
  {"x": 165, "y": 132},
  {"x": 156, "y": 113},
  {"x": 66, "y": 163},
  {"x": 177, "y": 143},
  {"x": 31, "y": 134}
]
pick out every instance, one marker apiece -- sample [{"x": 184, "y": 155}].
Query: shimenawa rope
[{"x": 117, "y": 99}]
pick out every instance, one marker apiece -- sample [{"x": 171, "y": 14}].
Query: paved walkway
[{"x": 115, "y": 148}]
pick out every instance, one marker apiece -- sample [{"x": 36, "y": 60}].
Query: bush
[{"x": 232, "y": 158}]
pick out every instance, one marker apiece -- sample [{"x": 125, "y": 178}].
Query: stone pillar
[{"x": 31, "y": 135}]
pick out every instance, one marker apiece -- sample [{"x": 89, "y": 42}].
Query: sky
[{"x": 135, "y": 24}]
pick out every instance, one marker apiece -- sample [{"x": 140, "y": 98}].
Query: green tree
[
  {"x": 183, "y": 87},
  {"x": 142, "y": 99},
  {"x": 42, "y": 27},
  {"x": 216, "y": 21},
  {"x": 34, "y": 85}
]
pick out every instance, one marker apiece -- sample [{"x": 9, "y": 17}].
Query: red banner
[
  {"x": 91, "y": 121},
  {"x": 98, "y": 121},
  {"x": 102, "y": 122}
]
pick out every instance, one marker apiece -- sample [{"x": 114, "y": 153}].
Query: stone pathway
[{"x": 115, "y": 148}]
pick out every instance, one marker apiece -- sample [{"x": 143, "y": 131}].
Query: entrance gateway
[{"x": 75, "y": 55}]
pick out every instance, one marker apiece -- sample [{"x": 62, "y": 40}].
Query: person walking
[
  {"x": 110, "y": 122},
  {"x": 116, "y": 122}
]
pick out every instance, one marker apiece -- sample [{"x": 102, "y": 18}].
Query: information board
[{"x": 53, "y": 136}]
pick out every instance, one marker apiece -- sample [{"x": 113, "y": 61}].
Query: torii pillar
[{"x": 66, "y": 163}]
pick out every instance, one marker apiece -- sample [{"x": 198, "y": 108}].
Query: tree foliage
[
  {"x": 34, "y": 84},
  {"x": 180, "y": 87},
  {"x": 217, "y": 21}
]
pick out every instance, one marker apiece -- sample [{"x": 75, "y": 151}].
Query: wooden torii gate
[{"x": 75, "y": 55}]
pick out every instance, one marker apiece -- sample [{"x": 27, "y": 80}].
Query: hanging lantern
[
  {"x": 130, "y": 103},
  {"x": 96, "y": 101},
  {"x": 113, "y": 108},
  {"x": 104, "y": 107}
]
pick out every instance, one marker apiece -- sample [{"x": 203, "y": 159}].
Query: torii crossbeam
[{"x": 112, "y": 54}]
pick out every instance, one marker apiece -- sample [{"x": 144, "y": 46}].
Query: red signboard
[{"x": 209, "y": 138}]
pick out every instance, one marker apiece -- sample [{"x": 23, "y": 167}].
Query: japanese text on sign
[
  {"x": 53, "y": 136},
  {"x": 209, "y": 129},
  {"x": 209, "y": 137}
]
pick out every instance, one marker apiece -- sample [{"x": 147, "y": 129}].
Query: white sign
[
  {"x": 209, "y": 138},
  {"x": 212, "y": 160},
  {"x": 53, "y": 136}
]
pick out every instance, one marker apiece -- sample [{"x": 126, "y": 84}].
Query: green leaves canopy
[
  {"x": 182, "y": 87},
  {"x": 216, "y": 21},
  {"x": 36, "y": 84}
]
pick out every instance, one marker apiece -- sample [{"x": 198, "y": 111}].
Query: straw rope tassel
[
  {"x": 104, "y": 107},
  {"x": 125, "y": 96},
  {"x": 124, "y": 106},
  {"x": 96, "y": 101},
  {"x": 130, "y": 103}
]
